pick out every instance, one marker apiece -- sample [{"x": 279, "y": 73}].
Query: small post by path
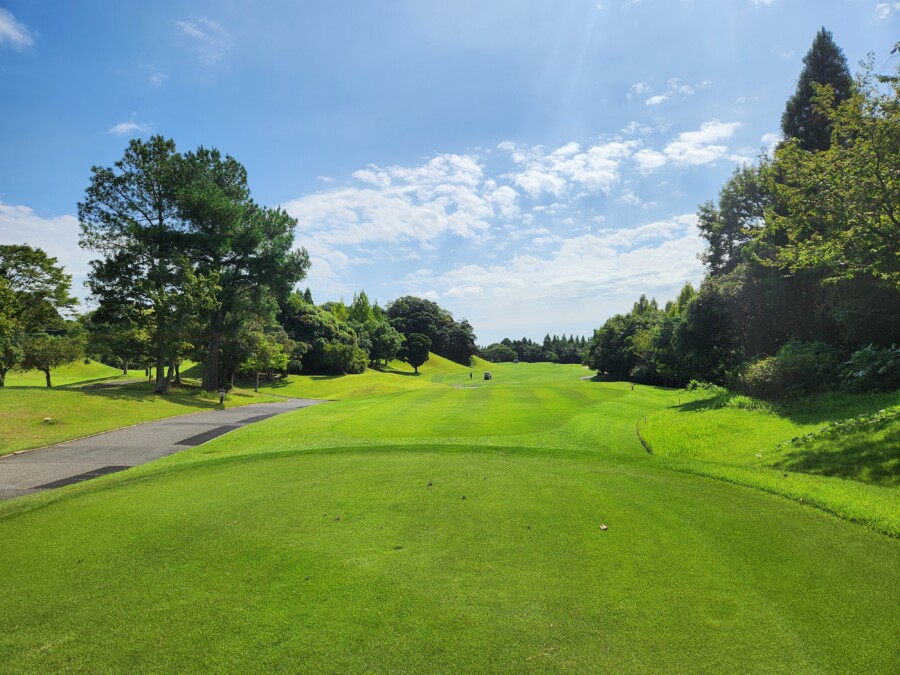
[{"x": 222, "y": 397}]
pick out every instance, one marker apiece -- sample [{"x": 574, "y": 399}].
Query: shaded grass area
[
  {"x": 870, "y": 457},
  {"x": 81, "y": 411},
  {"x": 855, "y": 475},
  {"x": 372, "y": 560}
]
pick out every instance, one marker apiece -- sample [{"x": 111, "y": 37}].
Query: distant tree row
[
  {"x": 802, "y": 290},
  {"x": 555, "y": 349},
  {"x": 336, "y": 338}
]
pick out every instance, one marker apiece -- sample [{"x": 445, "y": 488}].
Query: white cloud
[
  {"x": 590, "y": 276},
  {"x": 628, "y": 197},
  {"x": 13, "y": 31},
  {"x": 637, "y": 88},
  {"x": 634, "y": 128},
  {"x": 770, "y": 139},
  {"x": 595, "y": 169},
  {"x": 698, "y": 147},
  {"x": 130, "y": 128},
  {"x": 783, "y": 53},
  {"x": 208, "y": 39},
  {"x": 545, "y": 214},
  {"x": 648, "y": 160},
  {"x": 377, "y": 178},
  {"x": 446, "y": 195},
  {"x": 674, "y": 86},
  {"x": 761, "y": 3},
  {"x": 691, "y": 148},
  {"x": 883, "y": 9},
  {"x": 156, "y": 79}
]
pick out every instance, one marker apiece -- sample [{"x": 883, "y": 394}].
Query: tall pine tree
[{"x": 824, "y": 64}]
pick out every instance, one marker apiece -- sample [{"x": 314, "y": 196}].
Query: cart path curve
[{"x": 84, "y": 458}]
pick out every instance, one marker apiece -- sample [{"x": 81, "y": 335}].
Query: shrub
[
  {"x": 873, "y": 369},
  {"x": 340, "y": 358},
  {"x": 799, "y": 368}
]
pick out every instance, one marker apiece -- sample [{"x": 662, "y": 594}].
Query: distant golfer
[{"x": 470, "y": 376}]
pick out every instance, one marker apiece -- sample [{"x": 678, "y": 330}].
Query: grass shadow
[
  {"x": 812, "y": 410},
  {"x": 143, "y": 392},
  {"x": 387, "y": 370},
  {"x": 856, "y": 456}
]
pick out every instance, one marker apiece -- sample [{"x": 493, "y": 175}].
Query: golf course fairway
[{"x": 445, "y": 524}]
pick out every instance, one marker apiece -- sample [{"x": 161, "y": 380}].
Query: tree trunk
[
  {"x": 178, "y": 374},
  {"x": 171, "y": 374},
  {"x": 47, "y": 375},
  {"x": 124, "y": 366},
  {"x": 256, "y": 388},
  {"x": 211, "y": 372},
  {"x": 162, "y": 384},
  {"x": 3, "y": 372}
]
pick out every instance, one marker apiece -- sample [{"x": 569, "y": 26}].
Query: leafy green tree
[
  {"x": 122, "y": 338},
  {"x": 360, "y": 309},
  {"x": 344, "y": 358},
  {"x": 384, "y": 341},
  {"x": 45, "y": 352},
  {"x": 803, "y": 119},
  {"x": 132, "y": 217},
  {"x": 34, "y": 291},
  {"x": 729, "y": 227},
  {"x": 245, "y": 247},
  {"x": 839, "y": 212},
  {"x": 11, "y": 335},
  {"x": 314, "y": 329},
  {"x": 415, "y": 350},
  {"x": 449, "y": 338},
  {"x": 499, "y": 353},
  {"x": 264, "y": 351}
]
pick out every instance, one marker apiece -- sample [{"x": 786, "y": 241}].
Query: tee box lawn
[{"x": 426, "y": 524}]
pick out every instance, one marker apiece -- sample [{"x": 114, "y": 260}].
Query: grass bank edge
[{"x": 874, "y": 506}]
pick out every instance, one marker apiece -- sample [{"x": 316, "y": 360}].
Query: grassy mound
[
  {"x": 798, "y": 451},
  {"x": 441, "y": 559}
]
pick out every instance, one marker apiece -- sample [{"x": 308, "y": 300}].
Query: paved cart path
[{"x": 119, "y": 449}]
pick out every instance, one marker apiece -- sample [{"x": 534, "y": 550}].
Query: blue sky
[{"x": 532, "y": 166}]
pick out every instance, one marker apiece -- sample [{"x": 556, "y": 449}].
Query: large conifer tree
[{"x": 824, "y": 64}]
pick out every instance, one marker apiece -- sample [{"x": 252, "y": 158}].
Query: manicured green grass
[
  {"x": 738, "y": 440},
  {"x": 75, "y": 373},
  {"x": 74, "y": 412},
  {"x": 441, "y": 529}
]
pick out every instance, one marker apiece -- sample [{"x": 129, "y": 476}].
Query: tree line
[
  {"x": 802, "y": 284},
  {"x": 189, "y": 267},
  {"x": 553, "y": 349}
]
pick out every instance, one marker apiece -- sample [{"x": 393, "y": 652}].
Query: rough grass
[
  {"x": 854, "y": 473},
  {"x": 441, "y": 529}
]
